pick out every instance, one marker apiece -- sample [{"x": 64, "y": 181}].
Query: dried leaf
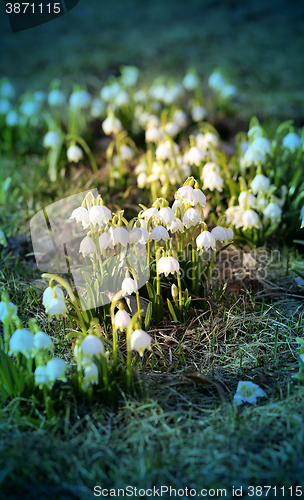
[{"x": 197, "y": 378}]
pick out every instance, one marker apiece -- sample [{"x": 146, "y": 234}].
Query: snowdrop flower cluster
[
  {"x": 47, "y": 374},
  {"x": 256, "y": 206},
  {"x": 219, "y": 84}
]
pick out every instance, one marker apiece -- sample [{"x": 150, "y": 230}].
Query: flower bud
[{"x": 174, "y": 291}]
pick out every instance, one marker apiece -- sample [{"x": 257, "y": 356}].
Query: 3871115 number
[{"x": 22, "y": 8}]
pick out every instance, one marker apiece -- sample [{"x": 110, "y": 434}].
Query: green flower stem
[
  {"x": 104, "y": 368},
  {"x": 193, "y": 260},
  {"x": 68, "y": 288},
  {"x": 86, "y": 148},
  {"x": 129, "y": 350},
  {"x": 114, "y": 347},
  {"x": 211, "y": 266},
  {"x": 115, "y": 300},
  {"x": 187, "y": 242},
  {"x": 180, "y": 299},
  {"x": 138, "y": 309}
]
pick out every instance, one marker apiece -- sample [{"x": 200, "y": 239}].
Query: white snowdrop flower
[
  {"x": 135, "y": 234},
  {"x": 160, "y": 265},
  {"x": 229, "y": 234},
  {"x": 176, "y": 204},
  {"x": 262, "y": 203},
  {"x": 191, "y": 81},
  {"x": 219, "y": 233},
  {"x": 250, "y": 219},
  {"x": 244, "y": 145},
  {"x": 180, "y": 118},
  {"x": 121, "y": 320},
  {"x": 147, "y": 214},
  {"x": 80, "y": 99},
  {"x": 122, "y": 98},
  {"x": 119, "y": 235},
  {"x": 198, "y": 113},
  {"x": 210, "y": 167},
  {"x": 55, "y": 370},
  {"x": 260, "y": 183},
  {"x": 291, "y": 141},
  {"x": 108, "y": 92},
  {"x": 91, "y": 346},
  {"x": 90, "y": 376},
  {"x": 56, "y": 98},
  {"x": 128, "y": 286},
  {"x": 164, "y": 150},
  {"x": 191, "y": 217},
  {"x": 171, "y": 129},
  {"x": 228, "y": 90},
  {"x": 99, "y": 214},
  {"x": 272, "y": 212},
  {"x": 154, "y": 134},
  {"x": 140, "y": 96},
  {"x": 172, "y": 93},
  {"x": 142, "y": 180},
  {"x": 247, "y": 199},
  {"x": 166, "y": 215},
  {"x": 12, "y": 118},
  {"x": 141, "y": 167},
  {"x": 252, "y": 157},
  {"x": 51, "y": 139},
  {"x": 5, "y": 106},
  {"x": 199, "y": 197},
  {"x": 140, "y": 340},
  {"x": 213, "y": 181},
  {"x": 56, "y": 308},
  {"x": 158, "y": 92},
  {"x": 41, "y": 376},
  {"x": 168, "y": 266},
  {"x": 51, "y": 293},
  {"x": 21, "y": 341},
  {"x": 261, "y": 145},
  {"x": 186, "y": 194},
  {"x": 42, "y": 341},
  {"x": 216, "y": 80},
  {"x": 81, "y": 214},
  {"x": 7, "y": 90},
  {"x": 129, "y": 75},
  {"x": 3, "y": 240},
  {"x": 74, "y": 153},
  {"x": 235, "y": 216},
  {"x": 29, "y": 108},
  {"x": 87, "y": 247},
  {"x": 196, "y": 156},
  {"x": 111, "y": 126},
  {"x": 176, "y": 225},
  {"x": 247, "y": 392},
  {"x": 255, "y": 131},
  {"x": 205, "y": 240},
  {"x": 204, "y": 141},
  {"x": 97, "y": 108},
  {"x": 39, "y": 96},
  {"x": 159, "y": 233},
  {"x": 126, "y": 152},
  {"x": 105, "y": 241},
  {"x": 153, "y": 121},
  {"x": 145, "y": 235}
]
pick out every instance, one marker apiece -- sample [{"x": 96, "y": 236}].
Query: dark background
[{"x": 260, "y": 43}]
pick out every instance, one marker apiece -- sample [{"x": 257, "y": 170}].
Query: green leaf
[
  {"x": 150, "y": 290},
  {"x": 171, "y": 311},
  {"x": 158, "y": 308},
  {"x": 148, "y": 317}
]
